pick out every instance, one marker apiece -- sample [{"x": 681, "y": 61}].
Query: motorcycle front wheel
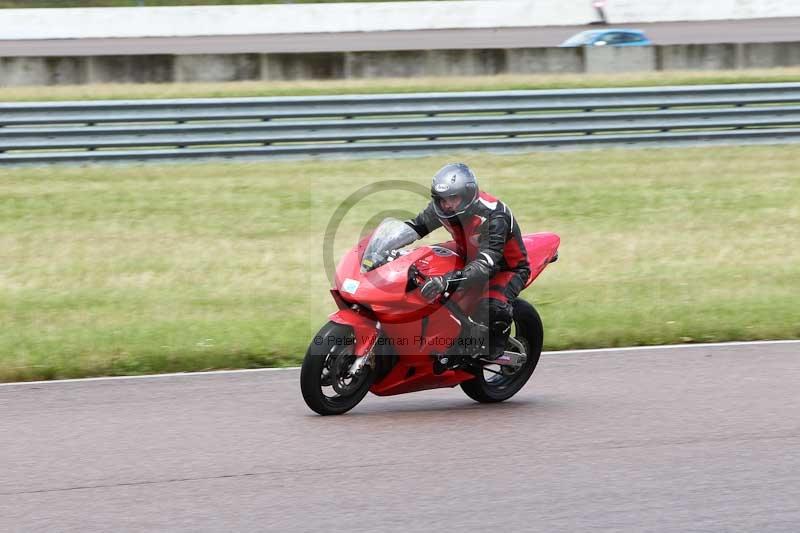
[
  {"x": 496, "y": 385},
  {"x": 327, "y": 386}
]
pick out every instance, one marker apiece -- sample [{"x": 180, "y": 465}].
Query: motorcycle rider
[{"x": 488, "y": 237}]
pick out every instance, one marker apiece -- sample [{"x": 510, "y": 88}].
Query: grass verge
[
  {"x": 390, "y": 85},
  {"x": 127, "y": 270}
]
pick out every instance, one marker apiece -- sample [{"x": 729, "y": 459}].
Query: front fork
[{"x": 366, "y": 361}]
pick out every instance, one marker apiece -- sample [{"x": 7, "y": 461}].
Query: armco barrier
[{"x": 385, "y": 124}]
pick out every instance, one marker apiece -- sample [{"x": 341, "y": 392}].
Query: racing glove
[{"x": 437, "y": 285}]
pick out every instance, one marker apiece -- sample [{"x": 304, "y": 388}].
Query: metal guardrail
[{"x": 376, "y": 124}]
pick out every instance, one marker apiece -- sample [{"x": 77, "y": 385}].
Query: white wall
[
  {"x": 665, "y": 10},
  {"x": 309, "y": 18},
  {"x": 299, "y": 18}
]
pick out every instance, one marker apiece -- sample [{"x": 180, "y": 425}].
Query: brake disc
[{"x": 342, "y": 381}]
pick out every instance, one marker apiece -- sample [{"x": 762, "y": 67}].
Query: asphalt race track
[
  {"x": 668, "y": 440},
  {"x": 730, "y": 31}
]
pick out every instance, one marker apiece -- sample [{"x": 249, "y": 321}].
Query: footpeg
[{"x": 440, "y": 362}]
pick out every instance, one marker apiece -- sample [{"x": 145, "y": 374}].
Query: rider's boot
[{"x": 499, "y": 332}]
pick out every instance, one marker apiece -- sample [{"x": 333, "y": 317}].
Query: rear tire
[
  {"x": 319, "y": 369},
  {"x": 530, "y": 333}
]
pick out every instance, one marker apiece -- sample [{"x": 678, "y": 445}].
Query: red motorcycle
[{"x": 387, "y": 339}]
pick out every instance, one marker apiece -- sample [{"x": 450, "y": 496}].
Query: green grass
[
  {"x": 405, "y": 85},
  {"x": 125, "y": 270}
]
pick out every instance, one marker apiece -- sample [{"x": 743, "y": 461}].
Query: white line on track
[
  {"x": 673, "y": 347},
  {"x": 562, "y": 352}
]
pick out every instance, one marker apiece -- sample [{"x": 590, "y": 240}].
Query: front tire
[
  {"x": 326, "y": 362},
  {"x": 529, "y": 332}
]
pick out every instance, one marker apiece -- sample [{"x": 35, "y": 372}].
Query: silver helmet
[{"x": 454, "y": 180}]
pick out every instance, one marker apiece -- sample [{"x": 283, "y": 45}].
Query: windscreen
[
  {"x": 390, "y": 235},
  {"x": 582, "y": 38}
]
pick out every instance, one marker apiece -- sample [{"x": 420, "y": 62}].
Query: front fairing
[{"x": 385, "y": 290}]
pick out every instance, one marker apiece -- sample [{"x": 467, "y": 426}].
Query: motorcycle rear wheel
[
  {"x": 496, "y": 388},
  {"x": 327, "y": 359}
]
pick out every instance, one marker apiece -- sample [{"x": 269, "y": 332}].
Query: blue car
[{"x": 608, "y": 37}]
